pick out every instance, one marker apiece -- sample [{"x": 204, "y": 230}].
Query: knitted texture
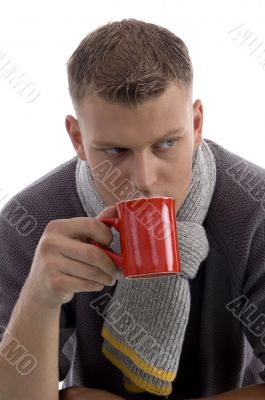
[
  {"x": 158, "y": 307},
  {"x": 219, "y": 353}
]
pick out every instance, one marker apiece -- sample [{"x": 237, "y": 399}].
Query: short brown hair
[{"x": 128, "y": 62}]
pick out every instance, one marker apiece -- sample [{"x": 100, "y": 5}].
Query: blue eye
[{"x": 166, "y": 144}]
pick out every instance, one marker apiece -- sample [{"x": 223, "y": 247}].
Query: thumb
[{"x": 108, "y": 212}]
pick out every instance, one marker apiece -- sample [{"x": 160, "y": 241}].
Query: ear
[
  {"x": 197, "y": 122},
  {"x": 73, "y": 130}
]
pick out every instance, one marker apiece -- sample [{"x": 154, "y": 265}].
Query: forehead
[
  {"x": 100, "y": 118},
  {"x": 173, "y": 96}
]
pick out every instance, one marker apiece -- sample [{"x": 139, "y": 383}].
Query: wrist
[{"x": 31, "y": 301}]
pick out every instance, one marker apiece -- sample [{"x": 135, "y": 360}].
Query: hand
[
  {"x": 83, "y": 393},
  {"x": 66, "y": 263}
]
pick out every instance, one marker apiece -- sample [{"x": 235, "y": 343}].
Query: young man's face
[{"x": 134, "y": 141}]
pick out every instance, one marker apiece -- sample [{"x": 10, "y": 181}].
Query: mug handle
[{"x": 116, "y": 257}]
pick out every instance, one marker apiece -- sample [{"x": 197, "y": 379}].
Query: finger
[
  {"x": 81, "y": 270},
  {"x": 88, "y": 254},
  {"x": 80, "y": 228},
  {"x": 78, "y": 285},
  {"x": 108, "y": 212}
]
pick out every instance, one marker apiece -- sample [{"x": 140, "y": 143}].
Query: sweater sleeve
[
  {"x": 16, "y": 254},
  {"x": 252, "y": 314}
]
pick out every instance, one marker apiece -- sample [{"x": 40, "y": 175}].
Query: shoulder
[
  {"x": 237, "y": 208},
  {"x": 240, "y": 184},
  {"x": 52, "y": 196}
]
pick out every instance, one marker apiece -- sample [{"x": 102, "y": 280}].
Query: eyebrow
[{"x": 171, "y": 132}]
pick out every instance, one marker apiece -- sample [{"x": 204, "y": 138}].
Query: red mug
[{"x": 148, "y": 237}]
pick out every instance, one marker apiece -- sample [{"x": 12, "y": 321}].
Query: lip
[{"x": 145, "y": 198}]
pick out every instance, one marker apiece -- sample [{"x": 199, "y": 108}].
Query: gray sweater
[{"x": 224, "y": 345}]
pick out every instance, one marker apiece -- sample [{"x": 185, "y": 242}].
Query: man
[{"x": 131, "y": 87}]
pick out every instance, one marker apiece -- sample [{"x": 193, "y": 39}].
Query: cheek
[
  {"x": 176, "y": 178},
  {"x": 107, "y": 177},
  {"x": 93, "y": 157},
  {"x": 178, "y": 170}
]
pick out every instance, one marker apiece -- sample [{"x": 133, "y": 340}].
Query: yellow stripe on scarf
[
  {"x": 136, "y": 379},
  {"x": 149, "y": 369}
]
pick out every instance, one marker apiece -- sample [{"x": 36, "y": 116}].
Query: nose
[{"x": 143, "y": 172}]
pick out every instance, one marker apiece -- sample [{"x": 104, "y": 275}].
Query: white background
[{"x": 39, "y": 37}]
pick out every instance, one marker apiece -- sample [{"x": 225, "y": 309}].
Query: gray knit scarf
[{"x": 146, "y": 319}]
